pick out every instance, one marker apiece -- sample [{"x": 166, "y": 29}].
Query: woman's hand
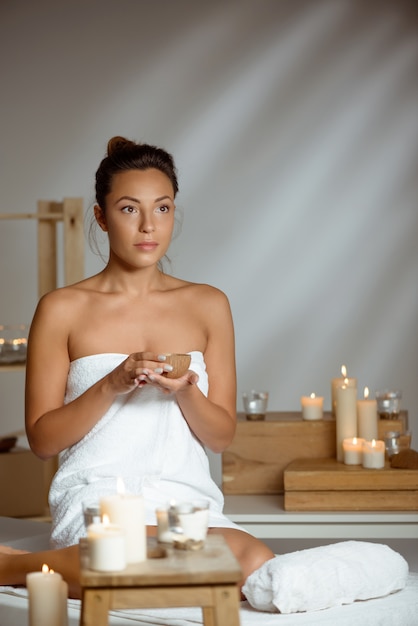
[
  {"x": 156, "y": 378},
  {"x": 138, "y": 369}
]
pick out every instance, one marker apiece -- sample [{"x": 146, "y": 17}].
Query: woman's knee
[{"x": 248, "y": 550}]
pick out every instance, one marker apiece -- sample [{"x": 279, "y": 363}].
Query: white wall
[{"x": 294, "y": 126}]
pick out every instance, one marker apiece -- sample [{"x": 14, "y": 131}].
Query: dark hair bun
[
  {"x": 125, "y": 155},
  {"x": 115, "y": 144}
]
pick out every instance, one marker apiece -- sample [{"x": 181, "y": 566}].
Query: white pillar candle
[
  {"x": 374, "y": 454},
  {"x": 128, "y": 512},
  {"x": 47, "y": 594},
  {"x": 346, "y": 416},
  {"x": 337, "y": 382},
  {"x": 353, "y": 451},
  {"x": 312, "y": 407},
  {"x": 106, "y": 547},
  {"x": 367, "y": 423}
]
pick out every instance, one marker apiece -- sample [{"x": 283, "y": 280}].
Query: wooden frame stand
[{"x": 48, "y": 215}]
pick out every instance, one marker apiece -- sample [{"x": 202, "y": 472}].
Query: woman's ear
[{"x": 99, "y": 214}]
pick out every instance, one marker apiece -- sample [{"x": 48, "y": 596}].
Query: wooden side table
[{"x": 207, "y": 578}]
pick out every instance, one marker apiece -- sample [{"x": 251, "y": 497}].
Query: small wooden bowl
[{"x": 180, "y": 363}]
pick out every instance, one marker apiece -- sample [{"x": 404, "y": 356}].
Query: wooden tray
[{"x": 328, "y": 485}]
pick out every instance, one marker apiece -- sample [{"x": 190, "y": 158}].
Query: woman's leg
[
  {"x": 250, "y": 552},
  {"x": 15, "y": 564}
]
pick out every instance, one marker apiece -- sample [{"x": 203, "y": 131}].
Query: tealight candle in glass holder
[
  {"x": 255, "y": 404},
  {"x": 388, "y": 404},
  {"x": 91, "y": 512},
  {"x": 188, "y": 523},
  {"x": 392, "y": 443}
]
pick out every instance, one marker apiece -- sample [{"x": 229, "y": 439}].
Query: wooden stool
[{"x": 207, "y": 578}]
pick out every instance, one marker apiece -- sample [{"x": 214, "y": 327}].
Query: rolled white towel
[{"x": 326, "y": 576}]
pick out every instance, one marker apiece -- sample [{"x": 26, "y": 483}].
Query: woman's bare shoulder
[
  {"x": 196, "y": 288},
  {"x": 65, "y": 298},
  {"x": 201, "y": 294},
  {"x": 206, "y": 301}
]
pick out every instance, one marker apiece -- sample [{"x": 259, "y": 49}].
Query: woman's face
[{"x": 139, "y": 216}]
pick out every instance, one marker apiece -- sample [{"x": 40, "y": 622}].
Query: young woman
[{"x": 96, "y": 391}]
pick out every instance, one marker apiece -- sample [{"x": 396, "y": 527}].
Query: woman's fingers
[{"x": 150, "y": 361}]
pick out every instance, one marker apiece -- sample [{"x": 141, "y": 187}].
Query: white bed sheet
[{"x": 398, "y": 609}]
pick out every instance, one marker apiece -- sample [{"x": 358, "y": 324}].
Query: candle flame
[
  {"x": 106, "y": 520},
  {"x": 45, "y": 569},
  {"x": 366, "y": 393},
  {"x": 373, "y": 443},
  {"x": 120, "y": 486},
  {"x": 313, "y": 395},
  {"x": 354, "y": 440},
  {"x": 344, "y": 371}
]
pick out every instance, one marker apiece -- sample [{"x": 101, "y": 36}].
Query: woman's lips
[{"x": 147, "y": 246}]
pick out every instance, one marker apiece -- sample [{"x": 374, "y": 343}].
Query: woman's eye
[
  {"x": 163, "y": 209},
  {"x": 128, "y": 209}
]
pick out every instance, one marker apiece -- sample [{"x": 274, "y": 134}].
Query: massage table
[{"x": 397, "y": 609}]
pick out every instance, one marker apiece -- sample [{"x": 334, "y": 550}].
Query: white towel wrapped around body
[
  {"x": 326, "y": 576},
  {"x": 144, "y": 439}
]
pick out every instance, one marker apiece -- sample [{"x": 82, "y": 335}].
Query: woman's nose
[{"x": 146, "y": 225}]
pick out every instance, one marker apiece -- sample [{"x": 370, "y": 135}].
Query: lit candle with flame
[
  {"x": 374, "y": 454},
  {"x": 312, "y": 407},
  {"x": 346, "y": 415},
  {"x": 106, "y": 546},
  {"x": 48, "y": 594},
  {"x": 367, "y": 420},
  {"x": 353, "y": 451},
  {"x": 128, "y": 512},
  {"x": 337, "y": 382}
]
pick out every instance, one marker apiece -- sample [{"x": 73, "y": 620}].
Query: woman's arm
[
  {"x": 52, "y": 426},
  {"x": 212, "y": 418}
]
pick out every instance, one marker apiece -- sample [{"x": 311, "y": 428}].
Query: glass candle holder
[
  {"x": 188, "y": 523},
  {"x": 392, "y": 443},
  {"x": 91, "y": 512},
  {"x": 255, "y": 404},
  {"x": 388, "y": 404}
]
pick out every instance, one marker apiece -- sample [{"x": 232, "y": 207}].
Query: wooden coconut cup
[{"x": 180, "y": 363}]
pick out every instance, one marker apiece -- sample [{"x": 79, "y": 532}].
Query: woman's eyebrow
[{"x": 132, "y": 199}]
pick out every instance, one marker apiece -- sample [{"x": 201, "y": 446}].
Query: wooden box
[
  {"x": 21, "y": 484},
  {"x": 24, "y": 482},
  {"x": 329, "y": 485},
  {"x": 255, "y": 461}
]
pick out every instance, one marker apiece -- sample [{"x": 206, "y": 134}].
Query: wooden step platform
[
  {"x": 328, "y": 485},
  {"x": 257, "y": 457}
]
